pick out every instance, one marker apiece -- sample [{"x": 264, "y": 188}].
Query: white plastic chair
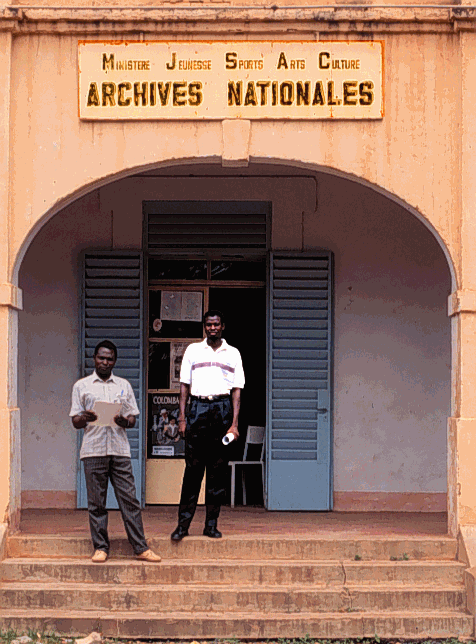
[{"x": 254, "y": 436}]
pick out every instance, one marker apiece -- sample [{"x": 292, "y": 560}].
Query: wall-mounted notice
[
  {"x": 181, "y": 305},
  {"x": 222, "y": 80}
]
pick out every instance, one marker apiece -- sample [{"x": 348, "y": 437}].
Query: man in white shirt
[
  {"x": 212, "y": 377},
  {"x": 106, "y": 453}
]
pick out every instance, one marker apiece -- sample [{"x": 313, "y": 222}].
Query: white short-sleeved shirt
[
  {"x": 209, "y": 372},
  {"x": 97, "y": 440}
]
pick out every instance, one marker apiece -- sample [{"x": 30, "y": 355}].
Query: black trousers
[
  {"x": 207, "y": 423},
  {"x": 98, "y": 470}
]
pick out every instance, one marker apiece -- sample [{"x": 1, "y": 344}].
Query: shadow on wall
[{"x": 392, "y": 341}]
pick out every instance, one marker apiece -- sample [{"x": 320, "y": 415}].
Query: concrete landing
[{"x": 161, "y": 520}]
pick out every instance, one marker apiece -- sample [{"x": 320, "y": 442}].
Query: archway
[{"x": 392, "y": 335}]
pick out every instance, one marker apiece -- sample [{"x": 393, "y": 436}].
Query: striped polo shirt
[{"x": 209, "y": 372}]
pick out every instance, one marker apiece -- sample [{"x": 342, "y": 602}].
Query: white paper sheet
[
  {"x": 171, "y": 305},
  {"x": 106, "y": 411},
  {"x": 185, "y": 306},
  {"x": 192, "y": 306}
]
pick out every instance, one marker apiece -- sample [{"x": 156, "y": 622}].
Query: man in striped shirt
[
  {"x": 106, "y": 453},
  {"x": 212, "y": 378}
]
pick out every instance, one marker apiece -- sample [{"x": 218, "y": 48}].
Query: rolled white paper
[{"x": 228, "y": 438}]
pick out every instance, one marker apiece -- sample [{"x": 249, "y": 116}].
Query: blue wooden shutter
[
  {"x": 112, "y": 310},
  {"x": 299, "y": 382}
]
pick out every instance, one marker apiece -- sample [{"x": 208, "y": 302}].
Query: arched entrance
[{"x": 391, "y": 367}]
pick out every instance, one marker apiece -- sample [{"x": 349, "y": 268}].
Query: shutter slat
[
  {"x": 295, "y": 435},
  {"x": 114, "y": 263},
  {"x": 300, "y": 324},
  {"x": 112, "y": 282},
  {"x": 301, "y": 284},
  {"x": 294, "y": 455},
  {"x": 296, "y": 264},
  {"x": 130, "y": 294},
  {"x": 300, "y": 344},
  {"x": 116, "y": 304},
  {"x": 281, "y": 357},
  {"x": 188, "y": 238},
  {"x": 305, "y": 274},
  {"x": 291, "y": 333},
  {"x": 287, "y": 292},
  {"x": 290, "y": 305},
  {"x": 202, "y": 228},
  {"x": 120, "y": 273}
]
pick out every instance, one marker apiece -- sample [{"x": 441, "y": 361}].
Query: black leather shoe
[
  {"x": 179, "y": 533},
  {"x": 212, "y": 532}
]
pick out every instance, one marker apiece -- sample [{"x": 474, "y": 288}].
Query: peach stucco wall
[
  {"x": 408, "y": 153},
  {"x": 392, "y": 334}
]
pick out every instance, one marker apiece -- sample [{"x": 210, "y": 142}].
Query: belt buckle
[{"x": 210, "y": 397}]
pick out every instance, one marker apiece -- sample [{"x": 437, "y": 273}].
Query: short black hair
[
  {"x": 212, "y": 313},
  {"x": 106, "y": 344}
]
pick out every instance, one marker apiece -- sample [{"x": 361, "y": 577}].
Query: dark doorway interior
[{"x": 244, "y": 310}]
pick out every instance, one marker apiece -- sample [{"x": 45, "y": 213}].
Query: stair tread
[
  {"x": 133, "y": 614},
  {"x": 127, "y": 562},
  {"x": 381, "y": 587},
  {"x": 333, "y": 537}
]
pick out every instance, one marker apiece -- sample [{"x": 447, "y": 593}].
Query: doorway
[{"x": 179, "y": 292}]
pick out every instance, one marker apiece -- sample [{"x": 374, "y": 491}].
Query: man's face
[
  {"x": 213, "y": 327},
  {"x": 104, "y": 362}
]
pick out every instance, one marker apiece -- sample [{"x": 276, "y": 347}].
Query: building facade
[{"x": 361, "y": 229}]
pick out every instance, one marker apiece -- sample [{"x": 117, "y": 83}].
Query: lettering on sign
[{"x": 222, "y": 80}]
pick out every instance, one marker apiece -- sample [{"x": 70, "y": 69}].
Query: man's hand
[
  {"x": 81, "y": 420},
  {"x": 182, "y": 426},
  {"x": 234, "y": 430},
  {"x": 125, "y": 422}
]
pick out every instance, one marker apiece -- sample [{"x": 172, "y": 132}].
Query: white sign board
[{"x": 223, "y": 80}]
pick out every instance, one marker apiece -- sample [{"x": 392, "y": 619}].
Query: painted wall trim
[
  {"x": 343, "y": 501},
  {"x": 42, "y": 499},
  {"x": 11, "y": 296},
  {"x": 463, "y": 301},
  {"x": 236, "y": 143},
  {"x": 332, "y": 17},
  {"x": 3, "y": 540},
  {"x": 389, "y": 501}
]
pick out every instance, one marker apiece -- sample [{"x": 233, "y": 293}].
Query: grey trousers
[{"x": 98, "y": 470}]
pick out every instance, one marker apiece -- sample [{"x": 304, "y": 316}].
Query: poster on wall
[
  {"x": 163, "y": 438},
  {"x": 177, "y": 349}
]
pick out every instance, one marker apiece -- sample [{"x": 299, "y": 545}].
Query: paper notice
[
  {"x": 192, "y": 306},
  {"x": 106, "y": 412},
  {"x": 181, "y": 306},
  {"x": 171, "y": 305}
]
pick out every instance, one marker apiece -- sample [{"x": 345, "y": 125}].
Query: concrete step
[
  {"x": 248, "y": 547},
  {"x": 205, "y": 625},
  {"x": 230, "y": 599},
  {"x": 216, "y": 571}
]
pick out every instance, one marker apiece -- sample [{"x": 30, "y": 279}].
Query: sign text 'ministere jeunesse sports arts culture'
[{"x": 220, "y": 80}]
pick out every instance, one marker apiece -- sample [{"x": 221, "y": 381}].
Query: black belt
[{"x": 211, "y": 398}]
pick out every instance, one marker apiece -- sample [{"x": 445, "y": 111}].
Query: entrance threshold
[{"x": 159, "y": 521}]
